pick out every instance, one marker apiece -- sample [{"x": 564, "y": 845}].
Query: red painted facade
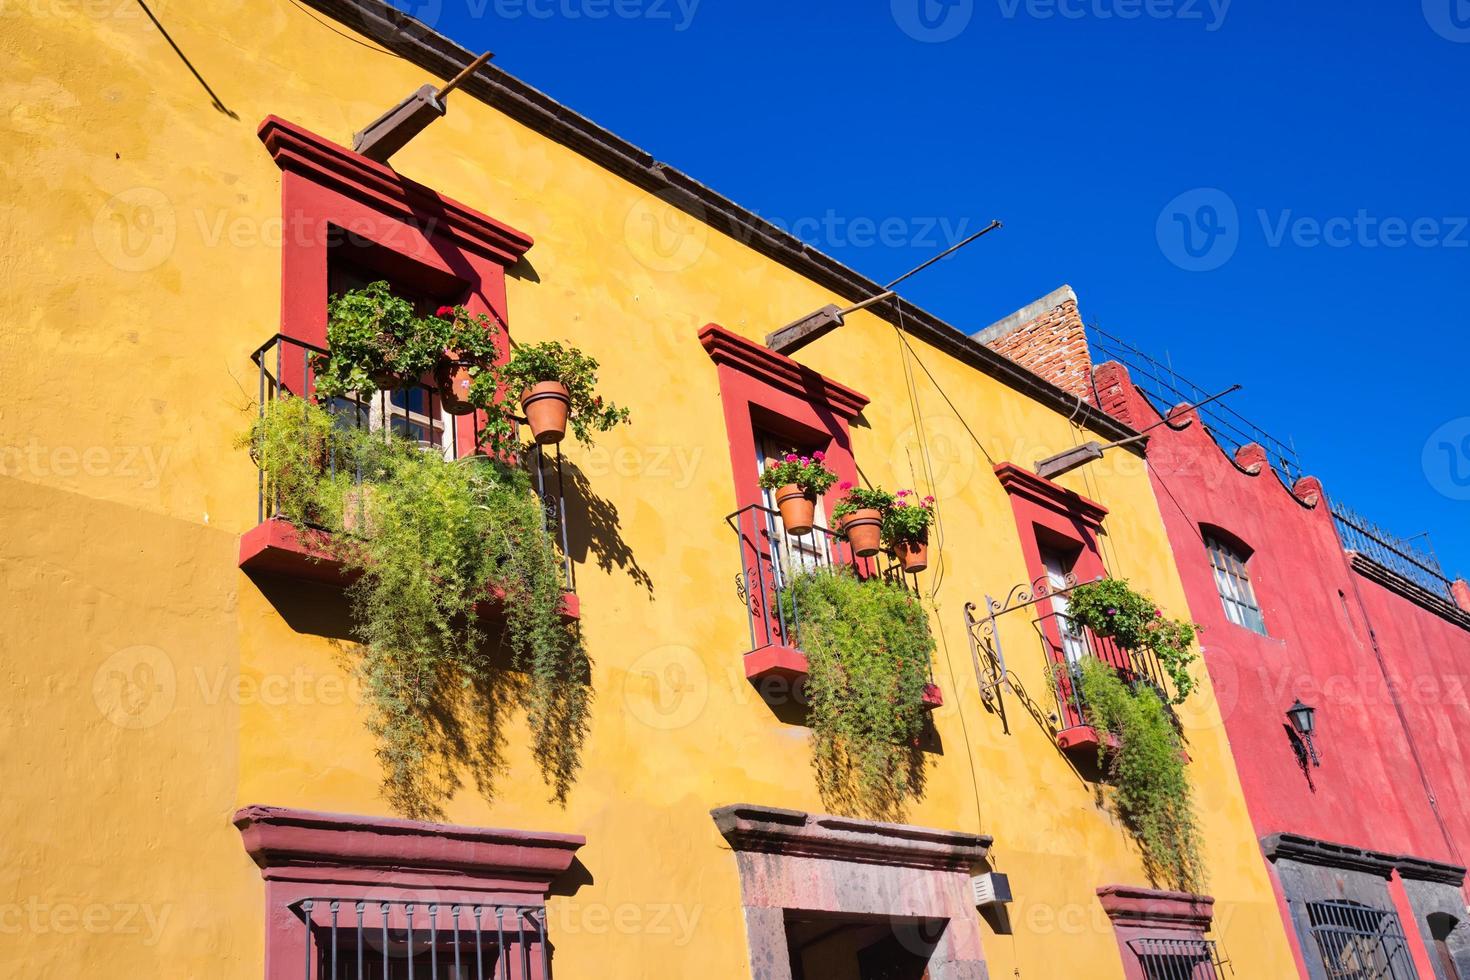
[{"x": 1384, "y": 665}]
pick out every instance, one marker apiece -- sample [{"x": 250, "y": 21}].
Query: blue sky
[{"x": 1315, "y": 154}]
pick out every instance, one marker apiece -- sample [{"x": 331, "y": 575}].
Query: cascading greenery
[
  {"x": 432, "y": 541},
  {"x": 868, "y": 645},
  {"x": 1150, "y": 793},
  {"x": 1111, "y": 608}
]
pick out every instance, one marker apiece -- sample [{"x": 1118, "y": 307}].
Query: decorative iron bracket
[{"x": 982, "y": 631}]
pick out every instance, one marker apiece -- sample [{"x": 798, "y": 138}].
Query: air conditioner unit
[{"x": 990, "y": 889}]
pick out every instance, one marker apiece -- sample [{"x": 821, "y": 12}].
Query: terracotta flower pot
[
  {"x": 914, "y": 553},
  {"x": 452, "y": 377},
  {"x": 864, "y": 530},
  {"x": 798, "y": 509},
  {"x": 546, "y": 405}
]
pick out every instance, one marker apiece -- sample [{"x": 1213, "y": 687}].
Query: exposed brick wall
[{"x": 1054, "y": 346}]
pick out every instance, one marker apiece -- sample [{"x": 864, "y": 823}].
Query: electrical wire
[{"x": 355, "y": 40}]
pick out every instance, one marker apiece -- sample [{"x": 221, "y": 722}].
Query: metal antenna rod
[{"x": 796, "y": 335}]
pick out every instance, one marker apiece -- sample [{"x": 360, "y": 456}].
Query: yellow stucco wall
[{"x": 153, "y": 688}]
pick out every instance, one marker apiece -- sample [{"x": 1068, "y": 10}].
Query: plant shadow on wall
[
  {"x": 868, "y": 648},
  {"x": 1142, "y": 748},
  {"x": 594, "y": 528},
  {"x": 454, "y": 574}
]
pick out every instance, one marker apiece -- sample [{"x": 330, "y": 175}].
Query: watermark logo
[
  {"x": 1210, "y": 13},
  {"x": 135, "y": 230},
  {"x": 1446, "y": 458},
  {"x": 135, "y": 687},
  {"x": 663, "y": 236},
  {"x": 414, "y": 20},
  {"x": 1199, "y": 230},
  {"x": 938, "y": 447},
  {"x": 1450, "y": 19},
  {"x": 932, "y": 21},
  {"x": 666, "y": 688}
]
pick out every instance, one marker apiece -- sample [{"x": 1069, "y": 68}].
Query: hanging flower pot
[
  {"x": 453, "y": 379},
  {"x": 913, "y": 553},
  {"x": 798, "y": 509},
  {"x": 546, "y": 405},
  {"x": 864, "y": 530}
]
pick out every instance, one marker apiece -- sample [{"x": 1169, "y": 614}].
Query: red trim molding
[
  {"x": 303, "y": 854},
  {"x": 308, "y": 846},
  {"x": 779, "y": 371},
  {"x": 300, "y": 151},
  {"x": 1148, "y": 908},
  {"x": 1146, "y": 913},
  {"x": 1053, "y": 496}
]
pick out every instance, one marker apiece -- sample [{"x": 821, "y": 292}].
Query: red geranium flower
[{"x": 445, "y": 311}]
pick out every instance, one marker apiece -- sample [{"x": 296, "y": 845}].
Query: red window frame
[
  {"x": 763, "y": 391},
  {"x": 1151, "y": 914},
  {"x": 331, "y": 196},
  {"x": 304, "y": 854},
  {"x": 1049, "y": 517}
]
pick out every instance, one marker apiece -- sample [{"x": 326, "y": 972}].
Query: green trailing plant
[
  {"x": 293, "y": 442},
  {"x": 810, "y": 473},
  {"x": 376, "y": 340},
  {"x": 856, "y": 498},
  {"x": 438, "y": 540},
  {"x": 1111, "y": 608},
  {"x": 908, "y": 519},
  {"x": 530, "y": 364},
  {"x": 1150, "y": 788},
  {"x": 868, "y": 647}
]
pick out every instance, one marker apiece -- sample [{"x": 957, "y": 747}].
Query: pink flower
[
  {"x": 1158, "y": 614},
  {"x": 791, "y": 457},
  {"x": 900, "y": 502},
  {"x": 805, "y": 461},
  {"x": 819, "y": 455},
  {"x": 845, "y": 485},
  {"x": 928, "y": 500},
  {"x": 445, "y": 311},
  {"x": 904, "y": 493}
]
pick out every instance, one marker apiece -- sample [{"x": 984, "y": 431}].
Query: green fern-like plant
[
  {"x": 1150, "y": 787},
  {"x": 868, "y": 646},
  {"x": 433, "y": 541}
]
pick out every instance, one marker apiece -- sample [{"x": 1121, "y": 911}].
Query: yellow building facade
[{"x": 155, "y": 689}]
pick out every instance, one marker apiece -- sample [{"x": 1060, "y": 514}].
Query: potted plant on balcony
[
  {"x": 1111, "y": 608},
  {"x": 859, "y": 516},
  {"x": 798, "y": 481},
  {"x": 469, "y": 348},
  {"x": 375, "y": 341},
  {"x": 432, "y": 547},
  {"x": 557, "y": 387},
  {"x": 906, "y": 529}
]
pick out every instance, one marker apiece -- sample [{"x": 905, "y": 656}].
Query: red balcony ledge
[
  {"x": 790, "y": 664},
  {"x": 279, "y": 548},
  {"x": 1083, "y": 740}
]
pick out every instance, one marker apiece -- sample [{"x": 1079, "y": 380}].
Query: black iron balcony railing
[
  {"x": 413, "y": 411},
  {"x": 1401, "y": 556},
  {"x": 1065, "y": 645},
  {"x": 769, "y": 556},
  {"x": 400, "y": 939}
]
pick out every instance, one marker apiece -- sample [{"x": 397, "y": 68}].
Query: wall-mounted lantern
[{"x": 1304, "y": 720}]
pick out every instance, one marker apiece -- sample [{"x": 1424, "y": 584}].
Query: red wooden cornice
[
  {"x": 1149, "y": 908},
  {"x": 1023, "y": 483},
  {"x": 379, "y": 186},
  {"x": 732, "y": 350},
  {"x": 304, "y": 845}
]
